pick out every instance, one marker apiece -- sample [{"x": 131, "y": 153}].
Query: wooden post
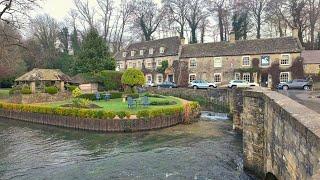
[
  {"x": 33, "y": 87},
  {"x": 61, "y": 86}
]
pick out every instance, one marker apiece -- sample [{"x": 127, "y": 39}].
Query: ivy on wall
[{"x": 296, "y": 69}]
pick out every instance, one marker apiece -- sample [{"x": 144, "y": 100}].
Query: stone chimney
[
  {"x": 295, "y": 33},
  {"x": 232, "y": 37}
]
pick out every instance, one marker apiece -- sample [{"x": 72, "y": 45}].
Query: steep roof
[
  {"x": 242, "y": 47},
  {"x": 171, "y": 48},
  {"x": 44, "y": 75},
  {"x": 311, "y": 57}
]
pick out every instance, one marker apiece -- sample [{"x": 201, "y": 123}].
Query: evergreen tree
[
  {"x": 240, "y": 25},
  {"x": 75, "y": 41},
  {"x": 93, "y": 55}
]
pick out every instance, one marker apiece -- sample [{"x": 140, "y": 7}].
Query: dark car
[
  {"x": 168, "y": 84},
  {"x": 296, "y": 84}
]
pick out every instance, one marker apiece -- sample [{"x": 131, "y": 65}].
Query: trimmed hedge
[
  {"x": 99, "y": 114},
  {"x": 70, "y": 88},
  {"x": 162, "y": 103},
  {"x": 51, "y": 90},
  {"x": 92, "y": 97}
]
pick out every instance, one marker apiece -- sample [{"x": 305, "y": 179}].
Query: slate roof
[
  {"x": 44, "y": 75},
  {"x": 242, "y": 47},
  {"x": 171, "y": 48},
  {"x": 311, "y": 57}
]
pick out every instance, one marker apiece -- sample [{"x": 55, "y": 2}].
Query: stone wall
[
  {"x": 38, "y": 98},
  {"x": 103, "y": 125},
  {"x": 280, "y": 136}
]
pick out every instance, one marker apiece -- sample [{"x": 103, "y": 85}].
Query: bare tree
[
  {"x": 126, "y": 10},
  {"x": 220, "y": 7},
  {"x": 87, "y": 13},
  {"x": 313, "y": 10},
  {"x": 196, "y": 13},
  {"x": 177, "y": 12},
  {"x": 257, "y": 8},
  {"x": 107, "y": 8},
  {"x": 147, "y": 16}
]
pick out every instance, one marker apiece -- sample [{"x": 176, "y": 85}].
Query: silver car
[
  {"x": 295, "y": 84},
  {"x": 202, "y": 84}
]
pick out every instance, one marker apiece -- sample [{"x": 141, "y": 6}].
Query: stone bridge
[{"x": 281, "y": 138}]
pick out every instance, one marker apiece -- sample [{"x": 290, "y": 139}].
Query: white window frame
[
  {"x": 195, "y": 63},
  {"x": 195, "y": 77},
  {"x": 161, "y": 50},
  {"x": 282, "y": 74},
  {"x": 132, "y": 53},
  {"x": 147, "y": 77},
  {"x": 246, "y": 74},
  {"x": 124, "y": 54},
  {"x": 242, "y": 61},
  {"x": 214, "y": 78},
  {"x": 134, "y": 64},
  {"x": 139, "y": 64},
  {"x": 159, "y": 62},
  {"x": 151, "y": 51},
  {"x": 141, "y": 52},
  {"x": 159, "y": 75},
  {"x": 289, "y": 60},
  {"x": 235, "y": 76},
  {"x": 217, "y": 64},
  {"x": 129, "y": 64}
]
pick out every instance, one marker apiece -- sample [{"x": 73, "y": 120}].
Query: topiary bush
[
  {"x": 132, "y": 78},
  {"x": 51, "y": 90}
]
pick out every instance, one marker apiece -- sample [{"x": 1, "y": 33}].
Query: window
[
  {"x": 192, "y": 77},
  {"x": 160, "y": 78},
  {"x": 217, "y": 78},
  {"x": 132, "y": 53},
  {"x": 149, "y": 64},
  {"x": 134, "y": 65},
  {"x": 245, "y": 61},
  {"x": 124, "y": 54},
  {"x": 285, "y": 59},
  {"x": 149, "y": 78},
  {"x": 265, "y": 60},
  {"x": 284, "y": 77},
  {"x": 237, "y": 76},
  {"x": 139, "y": 64},
  {"x": 130, "y": 64},
  {"x": 246, "y": 77},
  {"x": 141, "y": 52},
  {"x": 159, "y": 62},
  {"x": 217, "y": 62},
  {"x": 151, "y": 51},
  {"x": 161, "y": 50},
  {"x": 193, "y": 63}
]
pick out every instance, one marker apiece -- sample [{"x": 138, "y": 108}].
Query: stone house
[
  {"x": 148, "y": 56},
  {"x": 221, "y": 62},
  {"x": 39, "y": 78},
  {"x": 311, "y": 62}
]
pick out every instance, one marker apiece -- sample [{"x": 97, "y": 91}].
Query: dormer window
[
  {"x": 151, "y": 51},
  {"x": 141, "y": 52},
  {"x": 161, "y": 50},
  {"x": 132, "y": 53},
  {"x": 124, "y": 54}
]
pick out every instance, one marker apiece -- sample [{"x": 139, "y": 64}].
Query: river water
[{"x": 202, "y": 150}]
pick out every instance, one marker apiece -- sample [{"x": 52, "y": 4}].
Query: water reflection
[{"x": 203, "y": 150}]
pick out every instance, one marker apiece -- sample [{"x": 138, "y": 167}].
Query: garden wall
[{"x": 103, "y": 125}]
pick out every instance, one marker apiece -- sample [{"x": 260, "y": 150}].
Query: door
[
  {"x": 170, "y": 78},
  {"x": 264, "y": 80}
]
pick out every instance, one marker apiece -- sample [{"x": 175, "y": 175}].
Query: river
[{"x": 202, "y": 150}]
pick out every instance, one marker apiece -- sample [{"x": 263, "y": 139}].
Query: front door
[
  {"x": 170, "y": 78},
  {"x": 264, "y": 80}
]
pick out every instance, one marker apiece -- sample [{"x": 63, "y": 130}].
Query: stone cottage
[
  {"x": 149, "y": 55},
  {"x": 248, "y": 60},
  {"x": 39, "y": 78}
]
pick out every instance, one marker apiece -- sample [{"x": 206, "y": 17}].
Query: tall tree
[
  {"x": 147, "y": 16},
  {"x": 196, "y": 13},
  {"x": 177, "y": 12},
  {"x": 64, "y": 39},
  {"x": 75, "y": 44},
  {"x": 94, "y": 55},
  {"x": 313, "y": 10},
  {"x": 220, "y": 7},
  {"x": 106, "y": 7},
  {"x": 86, "y": 12},
  {"x": 257, "y": 9},
  {"x": 126, "y": 10}
]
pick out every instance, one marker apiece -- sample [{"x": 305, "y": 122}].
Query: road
[{"x": 308, "y": 98}]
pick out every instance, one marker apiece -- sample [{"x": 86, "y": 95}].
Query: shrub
[
  {"x": 132, "y": 78},
  {"x": 15, "y": 90},
  {"x": 70, "y": 88},
  {"x": 143, "y": 114},
  {"x": 76, "y": 92},
  {"x": 162, "y": 103},
  {"x": 154, "y": 95},
  {"x": 122, "y": 114},
  {"x": 26, "y": 90},
  {"x": 91, "y": 97},
  {"x": 109, "y": 115},
  {"x": 51, "y": 90},
  {"x": 111, "y": 80},
  {"x": 116, "y": 95},
  {"x": 81, "y": 103}
]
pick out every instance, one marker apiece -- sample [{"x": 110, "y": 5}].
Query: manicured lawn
[
  {"x": 4, "y": 93},
  {"x": 118, "y": 105}
]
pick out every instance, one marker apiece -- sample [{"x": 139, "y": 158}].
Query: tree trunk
[
  {"x": 193, "y": 35},
  {"x": 259, "y": 27},
  {"x": 181, "y": 32},
  {"x": 221, "y": 25},
  {"x": 312, "y": 29}
]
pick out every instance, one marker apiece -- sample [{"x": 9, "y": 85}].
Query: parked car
[
  {"x": 295, "y": 84},
  {"x": 239, "y": 84},
  {"x": 149, "y": 84},
  {"x": 202, "y": 84},
  {"x": 168, "y": 84}
]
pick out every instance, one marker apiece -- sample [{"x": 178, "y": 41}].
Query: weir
[{"x": 281, "y": 138}]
